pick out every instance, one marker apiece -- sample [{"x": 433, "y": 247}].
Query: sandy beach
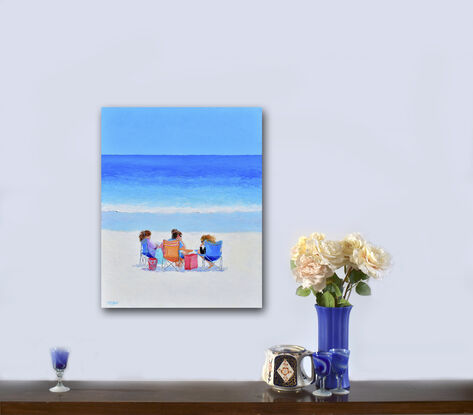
[{"x": 126, "y": 284}]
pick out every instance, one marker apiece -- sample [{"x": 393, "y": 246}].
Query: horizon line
[{"x": 190, "y": 155}]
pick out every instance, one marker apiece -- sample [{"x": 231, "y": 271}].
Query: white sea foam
[{"x": 180, "y": 209}]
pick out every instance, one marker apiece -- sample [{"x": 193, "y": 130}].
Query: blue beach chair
[
  {"x": 213, "y": 254},
  {"x": 144, "y": 254}
]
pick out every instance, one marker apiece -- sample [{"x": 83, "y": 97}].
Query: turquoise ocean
[{"x": 191, "y": 193}]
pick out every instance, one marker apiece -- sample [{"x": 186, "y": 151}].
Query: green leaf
[
  {"x": 338, "y": 292},
  {"x": 333, "y": 289},
  {"x": 337, "y": 280},
  {"x": 327, "y": 300},
  {"x": 343, "y": 303},
  {"x": 356, "y": 275},
  {"x": 362, "y": 288},
  {"x": 303, "y": 292},
  {"x": 293, "y": 264}
]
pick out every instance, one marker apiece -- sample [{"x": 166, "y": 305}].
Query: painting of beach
[{"x": 181, "y": 207}]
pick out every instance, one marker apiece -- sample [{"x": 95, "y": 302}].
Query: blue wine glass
[
  {"x": 59, "y": 357},
  {"x": 322, "y": 366},
  {"x": 339, "y": 367}
]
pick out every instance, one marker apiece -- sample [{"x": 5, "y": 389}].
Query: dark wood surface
[{"x": 194, "y": 398}]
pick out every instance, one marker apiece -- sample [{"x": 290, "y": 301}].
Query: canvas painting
[{"x": 181, "y": 207}]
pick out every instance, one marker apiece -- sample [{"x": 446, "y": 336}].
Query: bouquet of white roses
[{"x": 315, "y": 260}]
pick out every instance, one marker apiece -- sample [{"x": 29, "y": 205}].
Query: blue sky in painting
[{"x": 181, "y": 131}]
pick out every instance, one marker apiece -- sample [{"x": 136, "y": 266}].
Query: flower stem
[
  {"x": 348, "y": 287},
  {"x": 351, "y": 288},
  {"x": 347, "y": 279}
]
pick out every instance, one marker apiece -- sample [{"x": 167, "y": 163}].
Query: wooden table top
[{"x": 393, "y": 397}]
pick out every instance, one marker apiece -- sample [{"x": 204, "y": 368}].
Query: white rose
[
  {"x": 316, "y": 236},
  {"x": 312, "y": 241},
  {"x": 299, "y": 249},
  {"x": 331, "y": 253},
  {"x": 351, "y": 242},
  {"x": 371, "y": 260},
  {"x": 309, "y": 272},
  {"x": 305, "y": 245}
]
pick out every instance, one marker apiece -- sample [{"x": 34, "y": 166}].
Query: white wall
[{"x": 368, "y": 126}]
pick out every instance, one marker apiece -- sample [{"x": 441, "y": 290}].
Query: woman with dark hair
[
  {"x": 176, "y": 235},
  {"x": 147, "y": 245}
]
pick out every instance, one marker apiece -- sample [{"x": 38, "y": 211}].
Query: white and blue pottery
[{"x": 283, "y": 368}]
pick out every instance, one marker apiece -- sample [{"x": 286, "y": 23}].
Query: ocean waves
[{"x": 191, "y": 193}]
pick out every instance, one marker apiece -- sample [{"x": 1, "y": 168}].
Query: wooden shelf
[{"x": 194, "y": 398}]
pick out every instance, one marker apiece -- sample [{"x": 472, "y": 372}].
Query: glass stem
[
  {"x": 322, "y": 383},
  {"x": 339, "y": 382},
  {"x": 59, "y": 374}
]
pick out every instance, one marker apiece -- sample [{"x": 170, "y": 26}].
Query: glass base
[
  {"x": 340, "y": 391},
  {"x": 60, "y": 388},
  {"x": 322, "y": 392}
]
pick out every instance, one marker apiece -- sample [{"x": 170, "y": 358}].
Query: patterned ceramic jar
[{"x": 283, "y": 368}]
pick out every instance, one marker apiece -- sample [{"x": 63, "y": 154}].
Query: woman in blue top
[
  {"x": 176, "y": 235},
  {"x": 148, "y": 246}
]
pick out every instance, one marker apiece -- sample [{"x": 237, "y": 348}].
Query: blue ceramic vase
[{"x": 333, "y": 334}]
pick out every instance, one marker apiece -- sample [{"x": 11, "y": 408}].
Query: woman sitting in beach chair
[
  {"x": 176, "y": 235},
  {"x": 211, "y": 251},
  {"x": 148, "y": 247},
  {"x": 171, "y": 257}
]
